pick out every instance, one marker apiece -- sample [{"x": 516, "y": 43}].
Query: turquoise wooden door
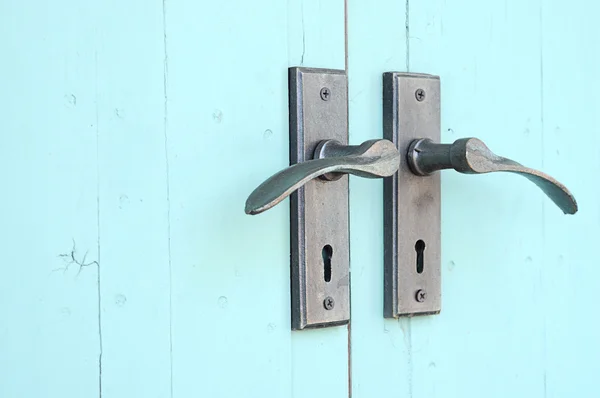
[
  {"x": 518, "y": 277},
  {"x": 132, "y": 133}
]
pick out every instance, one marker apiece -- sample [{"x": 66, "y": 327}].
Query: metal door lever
[
  {"x": 371, "y": 159},
  {"x": 472, "y": 156}
]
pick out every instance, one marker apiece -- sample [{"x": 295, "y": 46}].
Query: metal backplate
[
  {"x": 320, "y": 258},
  {"x": 412, "y": 285}
]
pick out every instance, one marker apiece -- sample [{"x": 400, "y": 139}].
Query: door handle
[
  {"x": 372, "y": 159},
  {"x": 317, "y": 186},
  {"x": 472, "y": 156}
]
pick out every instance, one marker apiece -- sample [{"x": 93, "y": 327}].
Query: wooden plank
[
  {"x": 488, "y": 338},
  {"x": 227, "y": 131},
  {"x": 506, "y": 248},
  {"x": 133, "y": 181},
  {"x": 376, "y": 44},
  {"x": 49, "y": 333},
  {"x": 569, "y": 278},
  {"x": 316, "y": 38}
]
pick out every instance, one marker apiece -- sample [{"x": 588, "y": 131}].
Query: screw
[
  {"x": 421, "y": 295},
  {"x": 328, "y": 303},
  {"x": 420, "y": 94},
  {"x": 325, "y": 93}
]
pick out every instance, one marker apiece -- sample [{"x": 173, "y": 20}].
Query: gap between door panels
[
  {"x": 316, "y": 39},
  {"x": 382, "y": 53},
  {"x": 349, "y": 356}
]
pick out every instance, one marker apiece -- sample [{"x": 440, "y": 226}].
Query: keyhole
[
  {"x": 420, "y": 248},
  {"x": 327, "y": 253}
]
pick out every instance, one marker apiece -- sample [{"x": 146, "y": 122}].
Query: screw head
[
  {"x": 325, "y": 94},
  {"x": 420, "y": 94},
  {"x": 421, "y": 295},
  {"x": 328, "y": 303}
]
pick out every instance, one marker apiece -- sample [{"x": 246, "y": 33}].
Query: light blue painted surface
[
  {"x": 571, "y": 59},
  {"x": 227, "y": 131},
  {"x": 115, "y": 117},
  {"x": 379, "y": 353},
  {"x": 131, "y": 136},
  {"x": 49, "y": 342},
  {"x": 519, "y": 278},
  {"x": 133, "y": 202}
]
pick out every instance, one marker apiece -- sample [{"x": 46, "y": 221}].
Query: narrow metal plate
[
  {"x": 411, "y": 109},
  {"x": 318, "y": 108}
]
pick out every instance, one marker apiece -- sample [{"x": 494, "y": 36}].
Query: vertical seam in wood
[
  {"x": 349, "y": 355},
  {"x": 407, "y": 34},
  {"x": 100, "y": 348},
  {"x": 542, "y": 82},
  {"x": 168, "y": 193},
  {"x": 409, "y": 356},
  {"x": 303, "y": 33},
  {"x": 542, "y": 110},
  {"x": 346, "y": 38}
]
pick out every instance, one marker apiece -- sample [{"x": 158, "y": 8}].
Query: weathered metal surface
[
  {"x": 371, "y": 159},
  {"x": 412, "y": 250},
  {"x": 318, "y": 209},
  {"x": 472, "y": 156}
]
